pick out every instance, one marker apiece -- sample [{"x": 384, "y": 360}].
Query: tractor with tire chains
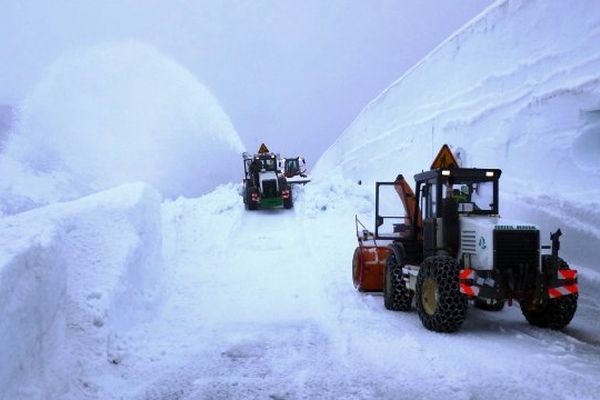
[{"x": 451, "y": 246}]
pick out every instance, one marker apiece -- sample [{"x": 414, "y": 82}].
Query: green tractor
[{"x": 264, "y": 186}]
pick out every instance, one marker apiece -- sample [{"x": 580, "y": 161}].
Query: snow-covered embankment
[
  {"x": 72, "y": 275},
  {"x": 517, "y": 88}
]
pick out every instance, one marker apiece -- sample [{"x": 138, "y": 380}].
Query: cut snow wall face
[
  {"x": 73, "y": 275},
  {"x": 586, "y": 148},
  {"x": 518, "y": 88},
  {"x": 32, "y": 292}
]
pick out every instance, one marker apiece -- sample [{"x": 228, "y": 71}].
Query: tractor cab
[
  {"x": 448, "y": 197},
  {"x": 474, "y": 190},
  {"x": 268, "y": 162},
  {"x": 294, "y": 169},
  {"x": 291, "y": 166}
]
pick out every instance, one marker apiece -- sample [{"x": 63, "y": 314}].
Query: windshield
[
  {"x": 473, "y": 197},
  {"x": 269, "y": 164},
  {"x": 292, "y": 165}
]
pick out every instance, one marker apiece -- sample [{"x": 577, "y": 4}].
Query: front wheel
[
  {"x": 289, "y": 201},
  {"x": 250, "y": 204},
  {"x": 441, "y": 306}
]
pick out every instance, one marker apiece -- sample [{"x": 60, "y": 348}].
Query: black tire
[
  {"x": 554, "y": 313},
  {"x": 441, "y": 306},
  {"x": 289, "y": 202},
  {"x": 495, "y": 305},
  {"x": 251, "y": 205},
  {"x": 396, "y": 296}
]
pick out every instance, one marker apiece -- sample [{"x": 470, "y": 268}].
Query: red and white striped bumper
[
  {"x": 473, "y": 285},
  {"x": 565, "y": 284},
  {"x": 467, "y": 278}
]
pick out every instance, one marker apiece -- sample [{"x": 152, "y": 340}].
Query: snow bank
[
  {"x": 119, "y": 113},
  {"x": 72, "y": 277},
  {"x": 208, "y": 219},
  {"x": 517, "y": 88},
  {"x": 7, "y": 117}
]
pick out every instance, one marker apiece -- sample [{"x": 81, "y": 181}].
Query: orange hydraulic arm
[{"x": 409, "y": 201}]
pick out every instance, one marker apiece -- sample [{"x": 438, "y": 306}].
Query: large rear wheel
[
  {"x": 250, "y": 204},
  {"x": 441, "y": 306},
  {"x": 289, "y": 202},
  {"x": 553, "y": 313},
  {"x": 396, "y": 296}
]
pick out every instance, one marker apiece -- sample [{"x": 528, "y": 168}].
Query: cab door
[{"x": 429, "y": 212}]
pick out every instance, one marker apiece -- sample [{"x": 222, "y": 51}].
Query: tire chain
[
  {"x": 452, "y": 304},
  {"x": 556, "y": 313},
  {"x": 400, "y": 297}
]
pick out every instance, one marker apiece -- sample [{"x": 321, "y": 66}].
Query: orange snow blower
[{"x": 370, "y": 256}]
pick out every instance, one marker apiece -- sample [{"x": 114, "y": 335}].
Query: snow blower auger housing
[
  {"x": 448, "y": 245},
  {"x": 264, "y": 185}
]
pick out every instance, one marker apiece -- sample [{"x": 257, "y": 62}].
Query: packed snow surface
[
  {"x": 518, "y": 88},
  {"x": 112, "y": 114}
]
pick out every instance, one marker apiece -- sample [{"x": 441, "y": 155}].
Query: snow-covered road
[
  {"x": 244, "y": 315},
  {"x": 259, "y": 305}
]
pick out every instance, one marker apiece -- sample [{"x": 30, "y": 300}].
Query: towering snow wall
[
  {"x": 517, "y": 88},
  {"x": 112, "y": 114},
  {"x": 72, "y": 277}
]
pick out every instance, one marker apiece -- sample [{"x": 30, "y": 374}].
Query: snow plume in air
[{"x": 124, "y": 112}]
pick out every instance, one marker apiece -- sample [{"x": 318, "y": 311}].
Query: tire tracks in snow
[
  {"x": 260, "y": 314},
  {"x": 494, "y": 355}
]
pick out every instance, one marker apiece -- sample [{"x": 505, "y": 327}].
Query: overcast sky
[{"x": 291, "y": 73}]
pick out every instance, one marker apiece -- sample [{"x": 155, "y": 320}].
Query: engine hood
[
  {"x": 265, "y": 176},
  {"x": 482, "y": 223},
  {"x": 477, "y": 237}
]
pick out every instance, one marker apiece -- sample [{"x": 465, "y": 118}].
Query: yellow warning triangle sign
[
  {"x": 263, "y": 149},
  {"x": 444, "y": 159}
]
